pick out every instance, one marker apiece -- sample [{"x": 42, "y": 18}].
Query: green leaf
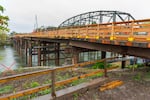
[{"x": 1, "y": 9}]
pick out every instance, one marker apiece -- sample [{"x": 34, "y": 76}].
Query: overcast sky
[{"x": 53, "y": 12}]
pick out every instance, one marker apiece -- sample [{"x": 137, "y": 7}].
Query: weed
[
  {"x": 137, "y": 77},
  {"x": 133, "y": 67},
  {"x": 6, "y": 89},
  {"x": 75, "y": 96},
  {"x": 34, "y": 84},
  {"x": 96, "y": 75},
  {"x": 78, "y": 82},
  {"x": 100, "y": 65},
  {"x": 47, "y": 91}
]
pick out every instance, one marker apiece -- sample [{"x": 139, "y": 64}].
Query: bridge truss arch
[{"x": 96, "y": 17}]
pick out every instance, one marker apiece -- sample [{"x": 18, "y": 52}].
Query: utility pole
[{"x": 36, "y": 22}]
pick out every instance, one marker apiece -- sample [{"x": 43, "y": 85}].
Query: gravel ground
[{"x": 136, "y": 86}]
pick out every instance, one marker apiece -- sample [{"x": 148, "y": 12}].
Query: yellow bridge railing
[{"x": 137, "y": 30}]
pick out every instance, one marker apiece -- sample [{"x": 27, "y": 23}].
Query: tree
[
  {"x": 3, "y": 26},
  {"x": 3, "y": 20},
  {"x": 3, "y": 37}
]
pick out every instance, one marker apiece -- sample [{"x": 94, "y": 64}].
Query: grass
[
  {"x": 6, "y": 89},
  {"x": 137, "y": 77},
  {"x": 34, "y": 84},
  {"x": 147, "y": 76}
]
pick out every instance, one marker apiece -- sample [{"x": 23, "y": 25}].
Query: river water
[{"x": 9, "y": 58}]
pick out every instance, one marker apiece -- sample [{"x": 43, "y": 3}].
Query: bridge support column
[
  {"x": 18, "y": 46},
  {"x": 57, "y": 53},
  {"x": 30, "y": 54},
  {"x": 21, "y": 48},
  {"x": 75, "y": 58},
  {"x": 39, "y": 54},
  {"x": 44, "y": 54},
  {"x": 103, "y": 56},
  {"x": 123, "y": 63},
  {"x": 26, "y": 52}
]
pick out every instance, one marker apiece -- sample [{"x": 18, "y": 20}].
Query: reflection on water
[{"x": 9, "y": 58}]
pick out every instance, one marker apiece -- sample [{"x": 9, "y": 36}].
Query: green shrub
[
  {"x": 34, "y": 84},
  {"x": 100, "y": 65}
]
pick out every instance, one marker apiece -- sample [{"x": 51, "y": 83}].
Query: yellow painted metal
[{"x": 130, "y": 39}]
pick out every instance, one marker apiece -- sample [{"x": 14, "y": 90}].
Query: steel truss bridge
[{"x": 112, "y": 31}]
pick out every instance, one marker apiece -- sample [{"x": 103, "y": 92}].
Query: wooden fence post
[
  {"x": 105, "y": 68},
  {"x": 53, "y": 77}
]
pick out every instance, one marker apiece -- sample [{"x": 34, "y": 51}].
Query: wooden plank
[
  {"x": 81, "y": 88},
  {"x": 110, "y": 85},
  {"x": 25, "y": 92},
  {"x": 24, "y": 75}
]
